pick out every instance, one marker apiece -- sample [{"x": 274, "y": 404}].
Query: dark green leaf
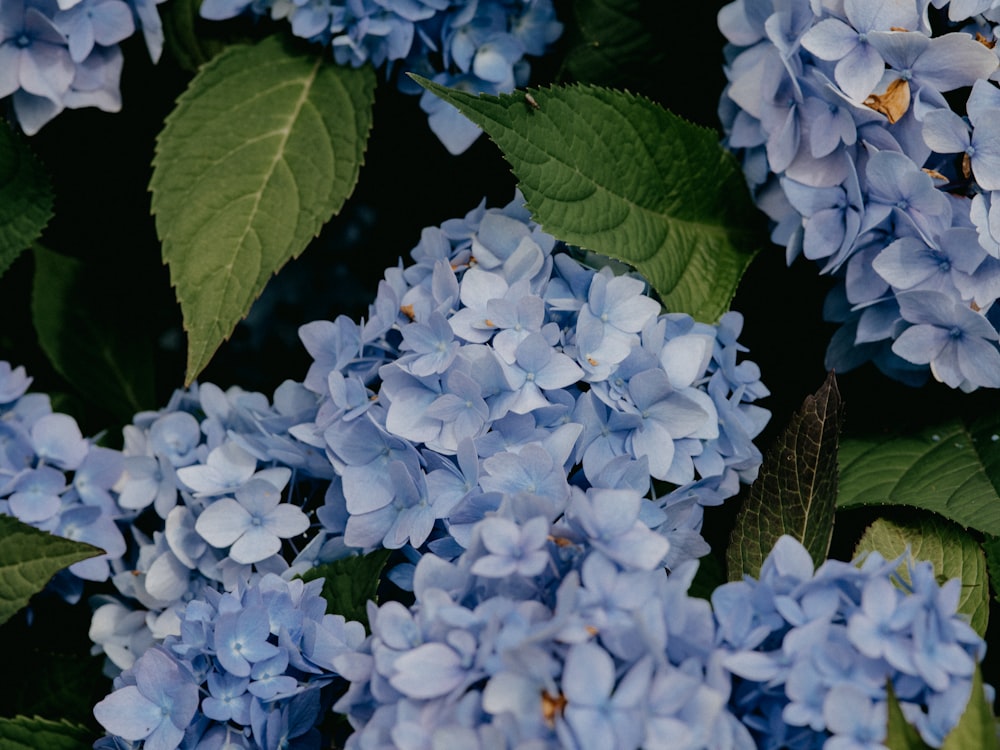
[
  {"x": 262, "y": 149},
  {"x": 953, "y": 552},
  {"x": 25, "y": 197},
  {"x": 619, "y": 175},
  {"x": 28, "y": 560},
  {"x": 350, "y": 583},
  {"x": 796, "y": 490},
  {"x": 36, "y": 733},
  {"x": 977, "y": 727},
  {"x": 951, "y": 469},
  {"x": 901, "y": 735},
  {"x": 90, "y": 341}
]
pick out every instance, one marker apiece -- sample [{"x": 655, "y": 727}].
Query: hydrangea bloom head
[
  {"x": 812, "y": 652},
  {"x": 250, "y": 665},
  {"x": 499, "y": 364},
  {"x": 850, "y": 146},
  {"x": 503, "y": 406}
]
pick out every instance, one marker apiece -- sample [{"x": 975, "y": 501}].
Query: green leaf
[
  {"x": 86, "y": 337},
  {"x": 900, "y": 734},
  {"x": 36, "y": 733},
  {"x": 977, "y": 727},
  {"x": 619, "y": 175},
  {"x": 950, "y": 469},
  {"x": 613, "y": 42},
  {"x": 349, "y": 583},
  {"x": 25, "y": 197},
  {"x": 262, "y": 149},
  {"x": 28, "y": 560},
  {"x": 952, "y": 551},
  {"x": 796, "y": 490}
]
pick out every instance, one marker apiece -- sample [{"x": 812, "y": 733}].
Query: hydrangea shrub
[
  {"x": 509, "y": 491},
  {"x": 507, "y": 418}
]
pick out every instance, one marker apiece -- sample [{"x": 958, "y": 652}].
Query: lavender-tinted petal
[
  {"x": 223, "y": 522},
  {"x": 920, "y": 344},
  {"x": 945, "y": 132}
]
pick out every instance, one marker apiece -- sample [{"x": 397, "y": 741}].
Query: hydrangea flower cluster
[
  {"x": 253, "y": 667},
  {"x": 539, "y": 440},
  {"x": 54, "y": 479},
  {"x": 557, "y": 628},
  {"x": 59, "y": 54},
  {"x": 496, "y": 369},
  {"x": 868, "y": 134},
  {"x": 215, "y": 493},
  {"x": 479, "y": 46},
  {"x": 814, "y": 651},
  {"x": 498, "y": 364}
]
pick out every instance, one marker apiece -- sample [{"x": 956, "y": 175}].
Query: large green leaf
[
  {"x": 36, "y": 733},
  {"x": 617, "y": 174},
  {"x": 952, "y": 551},
  {"x": 951, "y": 469},
  {"x": 796, "y": 490},
  {"x": 28, "y": 559},
  {"x": 262, "y": 149},
  {"x": 349, "y": 583},
  {"x": 87, "y": 338},
  {"x": 25, "y": 197}
]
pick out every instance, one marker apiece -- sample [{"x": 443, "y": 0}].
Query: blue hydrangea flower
[
  {"x": 253, "y": 524},
  {"x": 838, "y": 113},
  {"x": 260, "y": 657},
  {"x": 595, "y": 651},
  {"x": 859, "y": 65},
  {"x": 499, "y": 356},
  {"x": 225, "y": 489},
  {"x": 456, "y": 426},
  {"x": 62, "y": 55},
  {"x": 815, "y": 648},
  {"x": 156, "y": 705},
  {"x": 955, "y": 341}
]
